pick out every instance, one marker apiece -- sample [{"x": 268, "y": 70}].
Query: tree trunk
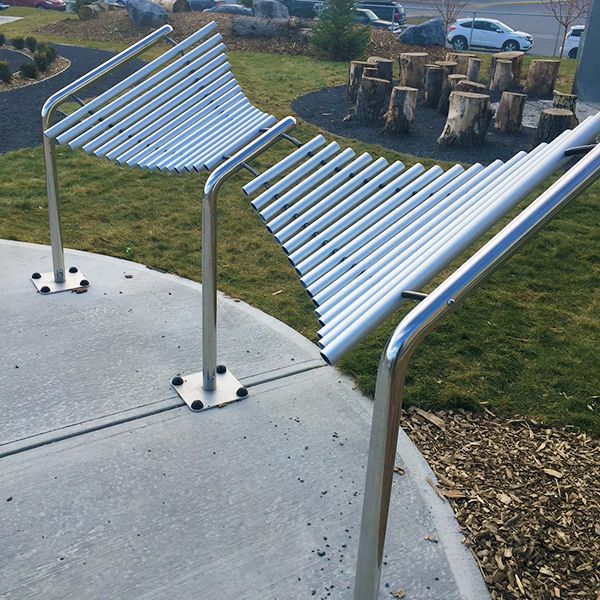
[
  {"x": 355, "y": 77},
  {"x": 553, "y": 121},
  {"x": 510, "y": 112},
  {"x": 412, "y": 67},
  {"x": 385, "y": 67},
  {"x": 447, "y": 88},
  {"x": 541, "y": 77},
  {"x": 174, "y": 6},
  {"x": 471, "y": 86},
  {"x": 373, "y": 99},
  {"x": 469, "y": 117},
  {"x": 401, "y": 111},
  {"x": 568, "y": 101},
  {"x": 432, "y": 85},
  {"x": 473, "y": 69},
  {"x": 461, "y": 60},
  {"x": 503, "y": 76},
  {"x": 515, "y": 57}
]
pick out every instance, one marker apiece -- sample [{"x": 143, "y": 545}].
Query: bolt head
[
  {"x": 242, "y": 392},
  {"x": 197, "y": 405},
  {"x": 221, "y": 369},
  {"x": 177, "y": 380},
  {"x": 36, "y": 275},
  {"x": 45, "y": 289},
  {"x": 84, "y": 283},
  {"x": 72, "y": 269}
]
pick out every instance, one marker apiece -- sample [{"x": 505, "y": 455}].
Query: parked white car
[
  {"x": 572, "y": 41},
  {"x": 488, "y": 34}
]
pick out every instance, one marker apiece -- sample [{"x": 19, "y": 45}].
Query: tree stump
[
  {"x": 510, "y": 112},
  {"x": 541, "y": 77},
  {"x": 174, "y": 6},
  {"x": 385, "y": 67},
  {"x": 568, "y": 101},
  {"x": 503, "y": 76},
  {"x": 355, "y": 77},
  {"x": 432, "y": 85},
  {"x": 473, "y": 69},
  {"x": 447, "y": 88},
  {"x": 469, "y": 117},
  {"x": 515, "y": 57},
  {"x": 448, "y": 67},
  {"x": 371, "y": 71},
  {"x": 401, "y": 110},
  {"x": 471, "y": 86},
  {"x": 553, "y": 121},
  {"x": 412, "y": 67},
  {"x": 373, "y": 99},
  {"x": 461, "y": 60}
]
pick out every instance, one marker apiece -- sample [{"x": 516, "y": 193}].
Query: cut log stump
[
  {"x": 401, "y": 110},
  {"x": 448, "y": 68},
  {"x": 432, "y": 85},
  {"x": 469, "y": 117},
  {"x": 568, "y": 101},
  {"x": 412, "y": 67},
  {"x": 553, "y": 121},
  {"x": 473, "y": 69},
  {"x": 509, "y": 115},
  {"x": 541, "y": 78},
  {"x": 174, "y": 6},
  {"x": 447, "y": 88},
  {"x": 515, "y": 57},
  {"x": 471, "y": 86},
  {"x": 373, "y": 99},
  {"x": 503, "y": 76},
  {"x": 461, "y": 60},
  {"x": 355, "y": 75},
  {"x": 385, "y": 67}
]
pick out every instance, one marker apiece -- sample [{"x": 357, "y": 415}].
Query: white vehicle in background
[
  {"x": 572, "y": 41},
  {"x": 489, "y": 34}
]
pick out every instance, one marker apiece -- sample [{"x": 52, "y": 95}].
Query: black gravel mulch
[
  {"x": 14, "y": 59},
  {"x": 328, "y": 107},
  {"x": 20, "y": 122}
]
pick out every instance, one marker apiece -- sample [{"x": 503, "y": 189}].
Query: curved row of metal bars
[{"x": 359, "y": 231}]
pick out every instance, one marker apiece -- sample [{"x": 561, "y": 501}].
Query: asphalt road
[{"x": 532, "y": 17}]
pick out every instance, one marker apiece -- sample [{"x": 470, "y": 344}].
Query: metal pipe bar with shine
[
  {"x": 209, "y": 242},
  {"x": 410, "y": 332}
]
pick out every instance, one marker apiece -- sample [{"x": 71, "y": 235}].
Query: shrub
[
  {"x": 48, "y": 50},
  {"x": 18, "y": 43},
  {"x": 5, "y": 72},
  {"x": 29, "y": 70},
  {"x": 41, "y": 61},
  {"x": 2, "y": 39},
  {"x": 31, "y": 43},
  {"x": 336, "y": 35}
]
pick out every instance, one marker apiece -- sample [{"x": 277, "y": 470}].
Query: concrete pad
[
  {"x": 4, "y": 20},
  {"x": 109, "y": 488}
]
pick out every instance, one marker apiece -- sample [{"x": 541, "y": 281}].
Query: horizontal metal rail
[{"x": 429, "y": 313}]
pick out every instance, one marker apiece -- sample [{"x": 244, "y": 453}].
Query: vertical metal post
[
  {"x": 209, "y": 289},
  {"x": 58, "y": 255}
]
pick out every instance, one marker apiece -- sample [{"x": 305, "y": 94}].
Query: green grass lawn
[{"x": 527, "y": 342}]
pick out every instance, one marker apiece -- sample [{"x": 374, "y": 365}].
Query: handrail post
[{"x": 409, "y": 333}]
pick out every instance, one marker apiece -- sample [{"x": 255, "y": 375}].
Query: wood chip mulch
[
  {"x": 527, "y": 497},
  {"x": 115, "y": 26}
]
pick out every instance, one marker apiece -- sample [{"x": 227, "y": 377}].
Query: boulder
[
  {"x": 146, "y": 14},
  {"x": 270, "y": 9},
  {"x": 429, "y": 33},
  {"x": 253, "y": 27},
  {"x": 230, "y": 9}
]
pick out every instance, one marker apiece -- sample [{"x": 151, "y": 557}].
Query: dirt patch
[
  {"x": 527, "y": 497},
  {"x": 116, "y": 26},
  {"x": 327, "y": 108},
  {"x": 17, "y": 81}
]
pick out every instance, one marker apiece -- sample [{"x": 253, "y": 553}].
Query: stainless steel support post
[
  {"x": 215, "y": 386},
  {"x": 407, "y": 336}
]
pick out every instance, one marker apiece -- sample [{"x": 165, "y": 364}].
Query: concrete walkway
[{"x": 111, "y": 489}]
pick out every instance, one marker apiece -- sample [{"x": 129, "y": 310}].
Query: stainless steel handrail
[
  {"x": 407, "y": 336},
  {"x": 49, "y": 145},
  {"x": 209, "y": 241}
]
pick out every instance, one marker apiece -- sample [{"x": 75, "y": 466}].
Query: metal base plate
[
  {"x": 192, "y": 393},
  {"x": 45, "y": 283}
]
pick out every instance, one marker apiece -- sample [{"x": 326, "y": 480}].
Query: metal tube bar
[
  {"x": 405, "y": 339},
  {"x": 209, "y": 242}
]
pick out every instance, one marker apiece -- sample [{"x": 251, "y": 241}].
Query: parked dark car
[
  {"x": 388, "y": 11},
  {"x": 307, "y": 9},
  {"x": 367, "y": 17},
  {"x": 47, "y": 4}
]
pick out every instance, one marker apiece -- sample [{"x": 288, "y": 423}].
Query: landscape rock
[
  {"x": 231, "y": 9},
  {"x": 144, "y": 13},
  {"x": 253, "y": 27},
  {"x": 270, "y": 9},
  {"x": 429, "y": 33}
]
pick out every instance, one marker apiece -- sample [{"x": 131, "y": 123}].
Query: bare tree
[
  {"x": 566, "y": 12},
  {"x": 449, "y": 11}
]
